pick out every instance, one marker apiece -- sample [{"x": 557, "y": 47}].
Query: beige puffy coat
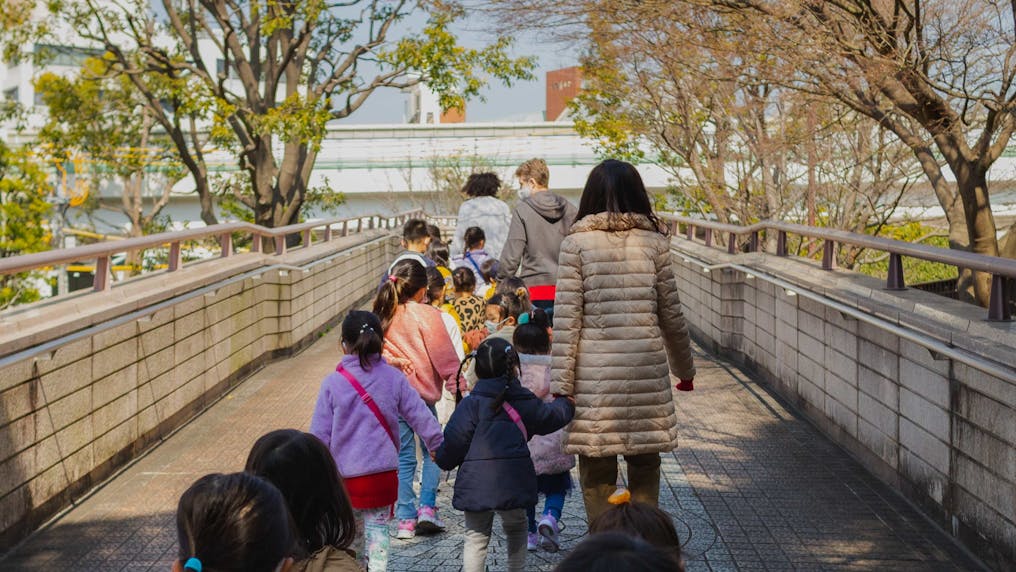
[{"x": 618, "y": 333}]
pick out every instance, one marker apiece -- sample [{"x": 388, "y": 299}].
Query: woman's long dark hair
[
  {"x": 362, "y": 333},
  {"x": 616, "y": 187},
  {"x": 234, "y": 522},
  {"x": 406, "y": 279},
  {"x": 304, "y": 471}
]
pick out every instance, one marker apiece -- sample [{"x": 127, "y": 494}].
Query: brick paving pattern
[{"x": 751, "y": 487}]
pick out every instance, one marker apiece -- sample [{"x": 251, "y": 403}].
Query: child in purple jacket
[{"x": 357, "y": 417}]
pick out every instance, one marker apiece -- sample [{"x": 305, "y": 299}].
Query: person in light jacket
[
  {"x": 484, "y": 210},
  {"x": 618, "y": 334}
]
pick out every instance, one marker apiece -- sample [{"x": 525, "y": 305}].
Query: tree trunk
[{"x": 972, "y": 187}]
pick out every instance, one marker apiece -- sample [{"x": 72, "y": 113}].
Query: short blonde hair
[{"x": 535, "y": 169}]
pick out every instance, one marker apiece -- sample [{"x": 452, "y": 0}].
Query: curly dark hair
[{"x": 482, "y": 185}]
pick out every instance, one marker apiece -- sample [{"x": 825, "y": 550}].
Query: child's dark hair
[
  {"x": 438, "y": 252},
  {"x": 406, "y": 278},
  {"x": 234, "y": 522},
  {"x": 473, "y": 236},
  {"x": 489, "y": 269},
  {"x": 532, "y": 337},
  {"x": 415, "y": 229},
  {"x": 434, "y": 231},
  {"x": 511, "y": 284},
  {"x": 495, "y": 358},
  {"x": 463, "y": 280},
  {"x": 435, "y": 284},
  {"x": 641, "y": 520},
  {"x": 512, "y": 304},
  {"x": 610, "y": 551},
  {"x": 482, "y": 185},
  {"x": 303, "y": 470},
  {"x": 363, "y": 336}
]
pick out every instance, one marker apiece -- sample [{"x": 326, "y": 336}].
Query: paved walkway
[{"x": 752, "y": 487}]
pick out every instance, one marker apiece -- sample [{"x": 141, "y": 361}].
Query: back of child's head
[
  {"x": 474, "y": 237},
  {"x": 489, "y": 269},
  {"x": 612, "y": 551},
  {"x": 414, "y": 230},
  {"x": 362, "y": 335},
  {"x": 512, "y": 304},
  {"x": 303, "y": 470},
  {"x": 233, "y": 522},
  {"x": 512, "y": 284},
  {"x": 434, "y": 231},
  {"x": 531, "y": 335},
  {"x": 464, "y": 280},
  {"x": 435, "y": 285},
  {"x": 406, "y": 279},
  {"x": 642, "y": 520},
  {"x": 438, "y": 252},
  {"x": 496, "y": 357}
]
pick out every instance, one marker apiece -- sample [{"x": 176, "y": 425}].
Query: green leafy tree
[
  {"x": 270, "y": 75},
  {"x": 23, "y": 216},
  {"x": 105, "y": 119}
]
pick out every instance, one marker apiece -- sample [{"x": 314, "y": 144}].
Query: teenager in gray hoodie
[{"x": 540, "y": 222}]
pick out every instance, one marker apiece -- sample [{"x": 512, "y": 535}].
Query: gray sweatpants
[{"x": 478, "y": 524}]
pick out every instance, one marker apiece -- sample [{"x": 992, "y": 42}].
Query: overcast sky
[{"x": 524, "y": 98}]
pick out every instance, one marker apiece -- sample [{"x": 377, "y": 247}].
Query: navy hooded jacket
[{"x": 495, "y": 471}]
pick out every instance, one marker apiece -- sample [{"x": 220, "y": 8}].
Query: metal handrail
[
  {"x": 103, "y": 251},
  {"x": 1001, "y": 269}
]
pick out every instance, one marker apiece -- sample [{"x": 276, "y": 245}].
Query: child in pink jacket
[
  {"x": 416, "y": 341},
  {"x": 553, "y": 478}
]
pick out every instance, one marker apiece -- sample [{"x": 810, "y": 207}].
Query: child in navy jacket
[{"x": 486, "y": 438}]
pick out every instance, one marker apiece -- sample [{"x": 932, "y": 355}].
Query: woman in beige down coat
[{"x": 618, "y": 334}]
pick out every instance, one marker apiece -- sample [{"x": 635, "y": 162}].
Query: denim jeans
[
  {"x": 431, "y": 473},
  {"x": 478, "y": 525},
  {"x": 552, "y": 505}
]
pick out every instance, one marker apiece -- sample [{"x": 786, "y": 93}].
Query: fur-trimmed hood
[{"x": 616, "y": 222}]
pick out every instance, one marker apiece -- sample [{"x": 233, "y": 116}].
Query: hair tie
[
  {"x": 193, "y": 564},
  {"x": 520, "y": 292},
  {"x": 524, "y": 319},
  {"x": 393, "y": 278}
]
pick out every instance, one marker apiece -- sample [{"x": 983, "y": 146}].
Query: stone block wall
[
  {"x": 941, "y": 431},
  {"x": 75, "y": 408}
]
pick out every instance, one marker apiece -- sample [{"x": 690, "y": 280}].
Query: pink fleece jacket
[{"x": 418, "y": 343}]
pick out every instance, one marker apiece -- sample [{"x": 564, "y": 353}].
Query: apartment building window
[
  {"x": 11, "y": 95},
  {"x": 68, "y": 56}
]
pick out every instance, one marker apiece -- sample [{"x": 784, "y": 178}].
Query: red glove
[{"x": 686, "y": 385}]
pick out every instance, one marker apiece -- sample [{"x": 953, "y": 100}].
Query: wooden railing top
[
  {"x": 1001, "y": 269},
  {"x": 223, "y": 232},
  {"x": 979, "y": 262}
]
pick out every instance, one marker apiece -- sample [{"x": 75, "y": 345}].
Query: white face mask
[
  {"x": 525, "y": 191},
  {"x": 493, "y": 326}
]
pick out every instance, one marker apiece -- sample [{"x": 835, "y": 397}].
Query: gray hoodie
[{"x": 538, "y": 226}]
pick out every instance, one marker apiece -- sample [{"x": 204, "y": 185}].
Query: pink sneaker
[
  {"x": 533, "y": 542},
  {"x": 428, "y": 521},
  {"x": 549, "y": 530},
  {"x": 406, "y": 529}
]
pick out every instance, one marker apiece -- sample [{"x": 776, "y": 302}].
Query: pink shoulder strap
[
  {"x": 514, "y": 414},
  {"x": 369, "y": 402}
]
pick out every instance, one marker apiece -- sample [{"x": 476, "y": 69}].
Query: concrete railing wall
[
  {"x": 867, "y": 367},
  {"x": 88, "y": 383}
]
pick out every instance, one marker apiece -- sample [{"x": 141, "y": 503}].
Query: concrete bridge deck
[{"x": 752, "y": 487}]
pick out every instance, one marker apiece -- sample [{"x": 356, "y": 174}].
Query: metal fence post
[{"x": 895, "y": 280}]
